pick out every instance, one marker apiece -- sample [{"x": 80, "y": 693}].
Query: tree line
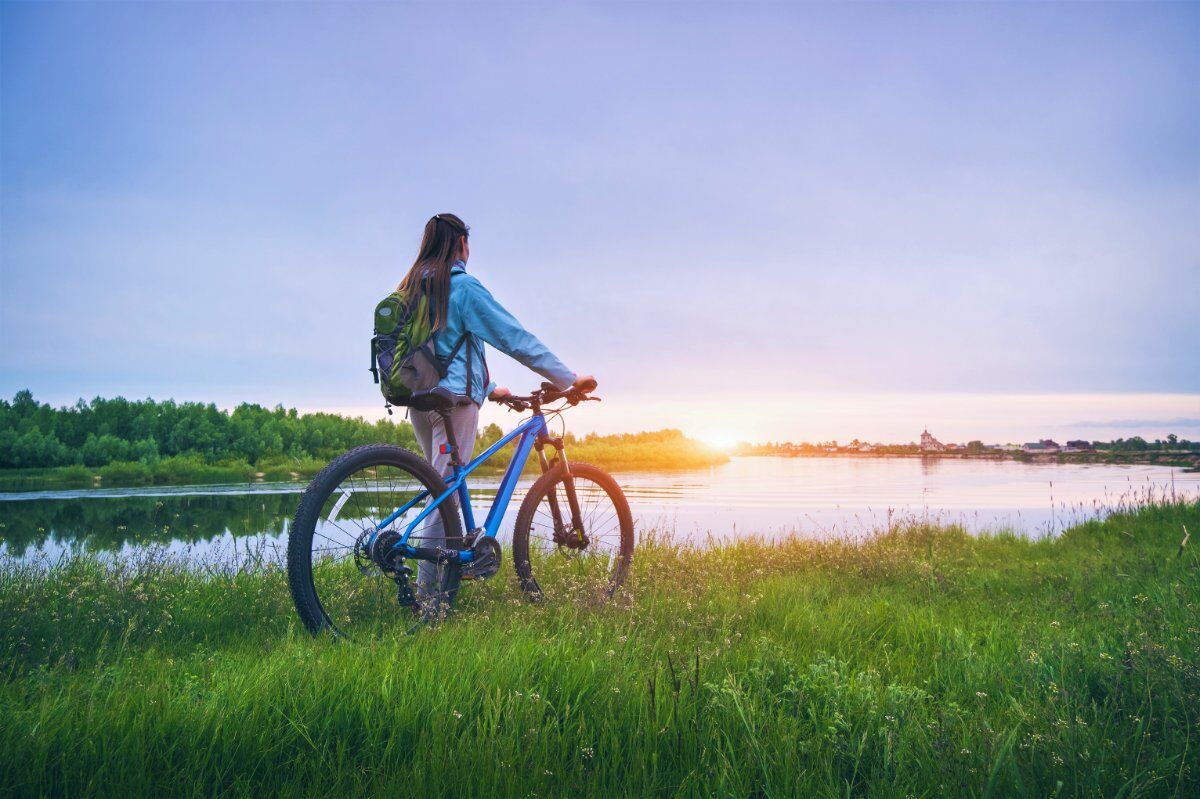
[
  {"x": 103, "y": 431},
  {"x": 1172, "y": 443}
]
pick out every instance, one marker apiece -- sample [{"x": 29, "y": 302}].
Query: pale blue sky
[{"x": 799, "y": 202}]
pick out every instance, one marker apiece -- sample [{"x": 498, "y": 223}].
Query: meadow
[{"x": 922, "y": 662}]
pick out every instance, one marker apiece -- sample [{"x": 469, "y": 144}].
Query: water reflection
[
  {"x": 929, "y": 466},
  {"x": 183, "y": 519},
  {"x": 818, "y": 497},
  {"x": 113, "y": 522}
]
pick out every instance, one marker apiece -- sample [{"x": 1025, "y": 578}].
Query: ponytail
[{"x": 429, "y": 275}]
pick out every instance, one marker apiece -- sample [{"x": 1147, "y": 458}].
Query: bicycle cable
[{"x": 557, "y": 413}]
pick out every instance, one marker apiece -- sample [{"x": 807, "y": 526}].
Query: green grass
[{"x": 922, "y": 663}]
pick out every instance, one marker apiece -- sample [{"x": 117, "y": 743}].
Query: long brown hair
[{"x": 430, "y": 273}]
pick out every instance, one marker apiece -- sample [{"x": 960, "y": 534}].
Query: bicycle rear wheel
[
  {"x": 556, "y": 562},
  {"x": 336, "y": 582}
]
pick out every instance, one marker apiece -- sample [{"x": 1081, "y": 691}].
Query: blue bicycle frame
[{"x": 529, "y": 431}]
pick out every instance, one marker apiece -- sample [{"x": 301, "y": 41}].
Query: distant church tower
[{"x": 931, "y": 444}]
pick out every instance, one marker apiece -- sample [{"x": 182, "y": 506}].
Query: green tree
[
  {"x": 487, "y": 437},
  {"x": 104, "y": 449},
  {"x": 105, "y": 431}
]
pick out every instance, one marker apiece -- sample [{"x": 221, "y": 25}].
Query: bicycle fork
[{"x": 574, "y": 536}]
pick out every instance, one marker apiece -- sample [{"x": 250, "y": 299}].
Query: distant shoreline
[
  {"x": 1189, "y": 461},
  {"x": 116, "y": 476},
  {"x": 658, "y": 451}
]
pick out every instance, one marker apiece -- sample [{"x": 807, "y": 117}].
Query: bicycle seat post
[{"x": 451, "y": 442}]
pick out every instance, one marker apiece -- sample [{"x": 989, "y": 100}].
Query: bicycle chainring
[{"x": 485, "y": 561}]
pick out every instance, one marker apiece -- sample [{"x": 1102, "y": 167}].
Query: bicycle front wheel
[
  {"x": 338, "y": 581},
  {"x": 560, "y": 562}
]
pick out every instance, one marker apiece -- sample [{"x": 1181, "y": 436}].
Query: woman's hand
[
  {"x": 585, "y": 383},
  {"x": 499, "y": 393}
]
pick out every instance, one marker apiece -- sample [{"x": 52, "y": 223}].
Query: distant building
[
  {"x": 866, "y": 447},
  {"x": 931, "y": 444},
  {"x": 1078, "y": 446},
  {"x": 1044, "y": 447}
]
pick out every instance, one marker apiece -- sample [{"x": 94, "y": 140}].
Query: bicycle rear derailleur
[{"x": 384, "y": 555}]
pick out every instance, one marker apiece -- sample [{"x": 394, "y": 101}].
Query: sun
[{"x": 721, "y": 441}]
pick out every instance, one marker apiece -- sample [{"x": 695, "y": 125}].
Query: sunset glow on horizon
[
  {"x": 760, "y": 222},
  {"x": 883, "y": 418}
]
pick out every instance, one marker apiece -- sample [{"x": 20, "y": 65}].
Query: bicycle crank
[{"x": 485, "y": 560}]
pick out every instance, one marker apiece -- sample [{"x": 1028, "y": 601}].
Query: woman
[{"x": 463, "y": 309}]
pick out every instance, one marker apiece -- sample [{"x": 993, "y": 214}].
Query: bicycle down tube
[{"x": 529, "y": 431}]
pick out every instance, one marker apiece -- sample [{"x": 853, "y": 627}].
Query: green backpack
[{"x": 403, "y": 358}]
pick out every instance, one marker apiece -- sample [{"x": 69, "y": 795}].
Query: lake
[{"x": 768, "y": 496}]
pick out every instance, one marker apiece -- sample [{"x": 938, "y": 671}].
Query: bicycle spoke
[
  {"x": 563, "y": 568},
  {"x": 357, "y": 595}
]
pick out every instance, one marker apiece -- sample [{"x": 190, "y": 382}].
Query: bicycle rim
[
  {"x": 358, "y": 596},
  {"x": 553, "y": 563}
]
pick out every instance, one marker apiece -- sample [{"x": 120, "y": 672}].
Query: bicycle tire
[
  {"x": 300, "y": 539},
  {"x": 522, "y": 532}
]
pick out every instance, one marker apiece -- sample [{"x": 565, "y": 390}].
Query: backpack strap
[
  {"x": 443, "y": 366},
  {"x": 374, "y": 368},
  {"x": 470, "y": 340}
]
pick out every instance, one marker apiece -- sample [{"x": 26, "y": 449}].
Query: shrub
[{"x": 126, "y": 473}]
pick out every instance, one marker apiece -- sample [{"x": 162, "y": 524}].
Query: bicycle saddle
[{"x": 435, "y": 399}]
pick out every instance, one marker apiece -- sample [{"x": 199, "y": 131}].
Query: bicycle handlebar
[
  {"x": 549, "y": 393},
  {"x": 587, "y": 387}
]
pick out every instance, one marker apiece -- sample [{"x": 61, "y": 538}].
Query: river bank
[
  {"x": 661, "y": 450},
  {"x": 921, "y": 662},
  {"x": 1188, "y": 461}
]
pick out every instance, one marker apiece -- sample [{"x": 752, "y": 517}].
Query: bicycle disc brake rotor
[
  {"x": 362, "y": 558},
  {"x": 573, "y": 539}
]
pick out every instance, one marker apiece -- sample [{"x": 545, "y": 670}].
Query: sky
[{"x": 749, "y": 221}]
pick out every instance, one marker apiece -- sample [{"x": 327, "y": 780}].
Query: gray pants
[{"x": 431, "y": 434}]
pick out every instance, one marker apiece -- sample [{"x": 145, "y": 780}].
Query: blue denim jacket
[{"x": 474, "y": 311}]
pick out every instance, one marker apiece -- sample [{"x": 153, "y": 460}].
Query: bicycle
[{"x": 360, "y": 519}]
